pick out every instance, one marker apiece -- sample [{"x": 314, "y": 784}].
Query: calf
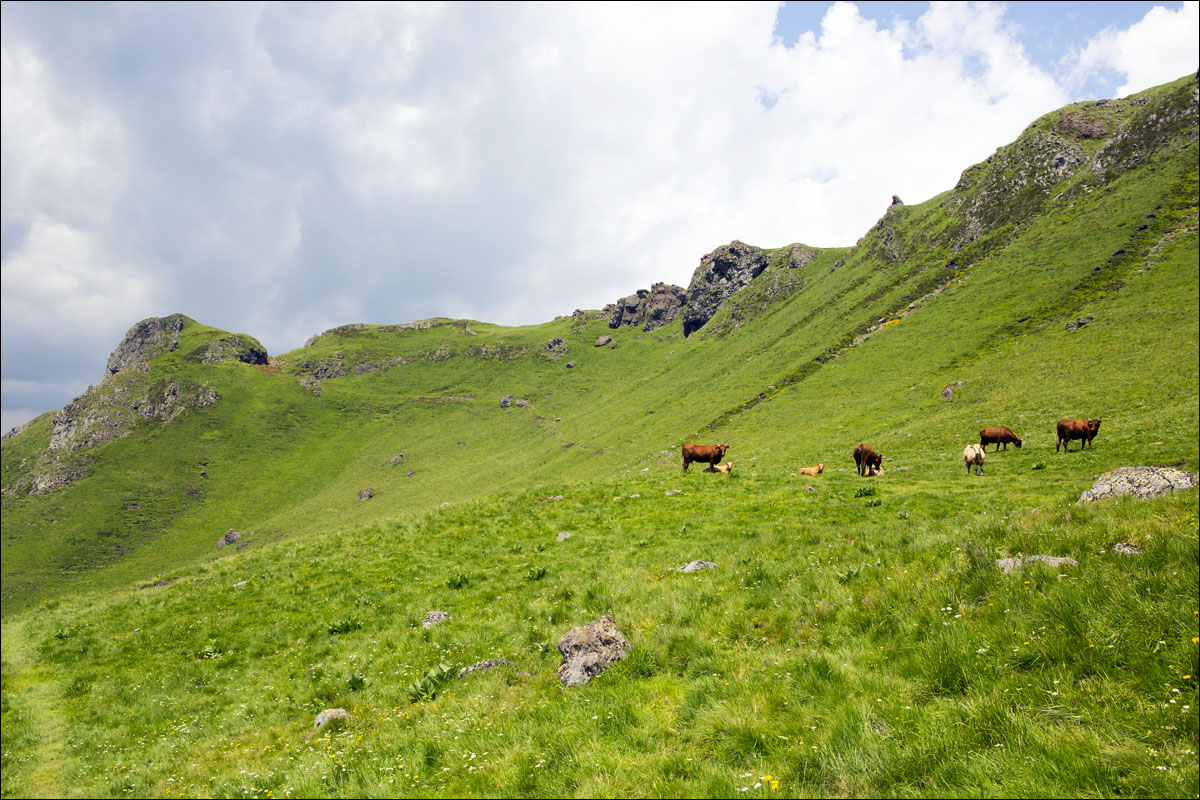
[
  {"x": 867, "y": 460},
  {"x": 710, "y": 454},
  {"x": 817, "y": 470},
  {"x": 974, "y": 455},
  {"x": 1083, "y": 429},
  {"x": 726, "y": 468},
  {"x": 999, "y": 436}
]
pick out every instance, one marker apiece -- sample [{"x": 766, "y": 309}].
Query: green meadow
[{"x": 856, "y": 636}]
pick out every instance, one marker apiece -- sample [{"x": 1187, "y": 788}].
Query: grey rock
[
  {"x": 1010, "y": 565},
  {"x": 144, "y": 341},
  {"x": 696, "y": 566},
  {"x": 343, "y": 330},
  {"x": 896, "y": 201},
  {"x": 366, "y": 494},
  {"x": 506, "y": 401},
  {"x": 240, "y": 584},
  {"x": 648, "y": 308},
  {"x": 721, "y": 273},
  {"x": 482, "y": 666},
  {"x": 809, "y": 489},
  {"x": 603, "y": 340},
  {"x": 434, "y": 618},
  {"x": 556, "y": 347},
  {"x": 564, "y": 535},
  {"x": 1126, "y": 549},
  {"x": 330, "y": 715},
  {"x": 670, "y": 492},
  {"x": 396, "y": 459},
  {"x": 570, "y": 365},
  {"x": 1140, "y": 482},
  {"x": 589, "y": 649},
  {"x": 948, "y": 392},
  {"x": 230, "y": 537}
]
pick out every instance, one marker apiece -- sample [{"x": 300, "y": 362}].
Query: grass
[{"x": 856, "y": 637}]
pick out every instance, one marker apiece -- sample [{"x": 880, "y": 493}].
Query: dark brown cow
[
  {"x": 999, "y": 436},
  {"x": 867, "y": 460},
  {"x": 710, "y": 454},
  {"x": 1068, "y": 429}
]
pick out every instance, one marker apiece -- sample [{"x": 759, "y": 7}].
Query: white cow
[{"x": 974, "y": 454}]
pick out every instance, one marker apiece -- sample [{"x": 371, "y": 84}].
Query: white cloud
[{"x": 1163, "y": 46}]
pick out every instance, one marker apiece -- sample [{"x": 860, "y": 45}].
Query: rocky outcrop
[
  {"x": 589, "y": 649},
  {"x": 482, "y": 666},
  {"x": 144, "y": 341},
  {"x": 1010, "y": 565},
  {"x": 721, "y": 273},
  {"x": 1140, "y": 482},
  {"x": 696, "y": 566},
  {"x": 108, "y": 411},
  {"x": 648, "y": 308},
  {"x": 231, "y": 536},
  {"x": 235, "y": 347},
  {"x": 556, "y": 348}
]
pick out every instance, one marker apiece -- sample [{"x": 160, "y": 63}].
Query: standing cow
[
  {"x": 710, "y": 454},
  {"x": 974, "y": 455},
  {"x": 1000, "y": 436},
  {"x": 1083, "y": 429},
  {"x": 867, "y": 460}
]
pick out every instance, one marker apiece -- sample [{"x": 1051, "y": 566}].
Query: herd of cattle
[{"x": 868, "y": 462}]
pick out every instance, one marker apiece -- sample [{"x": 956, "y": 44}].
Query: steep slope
[{"x": 801, "y": 354}]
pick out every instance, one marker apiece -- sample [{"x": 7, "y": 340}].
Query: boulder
[
  {"x": 1140, "y": 482},
  {"x": 948, "y": 392},
  {"x": 434, "y": 618},
  {"x": 589, "y": 649},
  {"x": 603, "y": 340},
  {"x": 564, "y": 535},
  {"x": 144, "y": 341},
  {"x": 1126, "y": 549},
  {"x": 230, "y": 537},
  {"x": 721, "y": 273},
  {"x": 648, "y": 308},
  {"x": 1010, "y": 565},
  {"x": 330, "y": 715},
  {"x": 482, "y": 666},
  {"x": 696, "y": 566},
  {"x": 366, "y": 494}
]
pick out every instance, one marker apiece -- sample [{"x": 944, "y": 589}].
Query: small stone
[
  {"x": 396, "y": 459},
  {"x": 589, "y": 649},
  {"x": 1126, "y": 549},
  {"x": 330, "y": 715},
  {"x": 1010, "y": 565},
  {"x": 230, "y": 537},
  {"x": 948, "y": 392},
  {"x": 366, "y": 494},
  {"x": 603, "y": 340},
  {"x": 240, "y": 584},
  {"x": 696, "y": 566},
  {"x": 809, "y": 489},
  {"x": 670, "y": 492},
  {"x": 434, "y": 618},
  {"x": 482, "y": 666},
  {"x": 570, "y": 365},
  {"x": 563, "y": 536}
]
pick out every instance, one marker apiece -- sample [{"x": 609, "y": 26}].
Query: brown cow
[
  {"x": 867, "y": 460},
  {"x": 1068, "y": 429},
  {"x": 999, "y": 436},
  {"x": 817, "y": 470},
  {"x": 708, "y": 453}
]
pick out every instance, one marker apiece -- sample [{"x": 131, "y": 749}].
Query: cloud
[
  {"x": 280, "y": 169},
  {"x": 1161, "y": 47}
]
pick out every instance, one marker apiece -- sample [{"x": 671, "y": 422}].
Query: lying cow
[
  {"x": 817, "y": 470},
  {"x": 710, "y": 454},
  {"x": 1068, "y": 429},
  {"x": 867, "y": 460},
  {"x": 726, "y": 468},
  {"x": 974, "y": 455},
  {"x": 998, "y": 436}
]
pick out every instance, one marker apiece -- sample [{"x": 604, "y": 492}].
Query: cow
[
  {"x": 817, "y": 470},
  {"x": 974, "y": 455},
  {"x": 867, "y": 460},
  {"x": 999, "y": 436},
  {"x": 726, "y": 468},
  {"x": 1068, "y": 429},
  {"x": 707, "y": 453}
]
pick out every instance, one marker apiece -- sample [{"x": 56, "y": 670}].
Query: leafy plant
[
  {"x": 865, "y": 491},
  {"x": 457, "y": 581},
  {"x": 430, "y": 684},
  {"x": 535, "y": 573},
  {"x": 347, "y": 625}
]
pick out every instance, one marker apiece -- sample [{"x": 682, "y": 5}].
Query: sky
[{"x": 279, "y": 169}]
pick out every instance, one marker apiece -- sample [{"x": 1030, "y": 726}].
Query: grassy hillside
[{"x": 855, "y": 639}]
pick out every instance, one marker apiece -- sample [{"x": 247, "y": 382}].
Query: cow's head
[
  {"x": 878, "y": 460},
  {"x": 1018, "y": 444},
  {"x": 1093, "y": 425},
  {"x": 721, "y": 448},
  {"x": 820, "y": 468}
]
